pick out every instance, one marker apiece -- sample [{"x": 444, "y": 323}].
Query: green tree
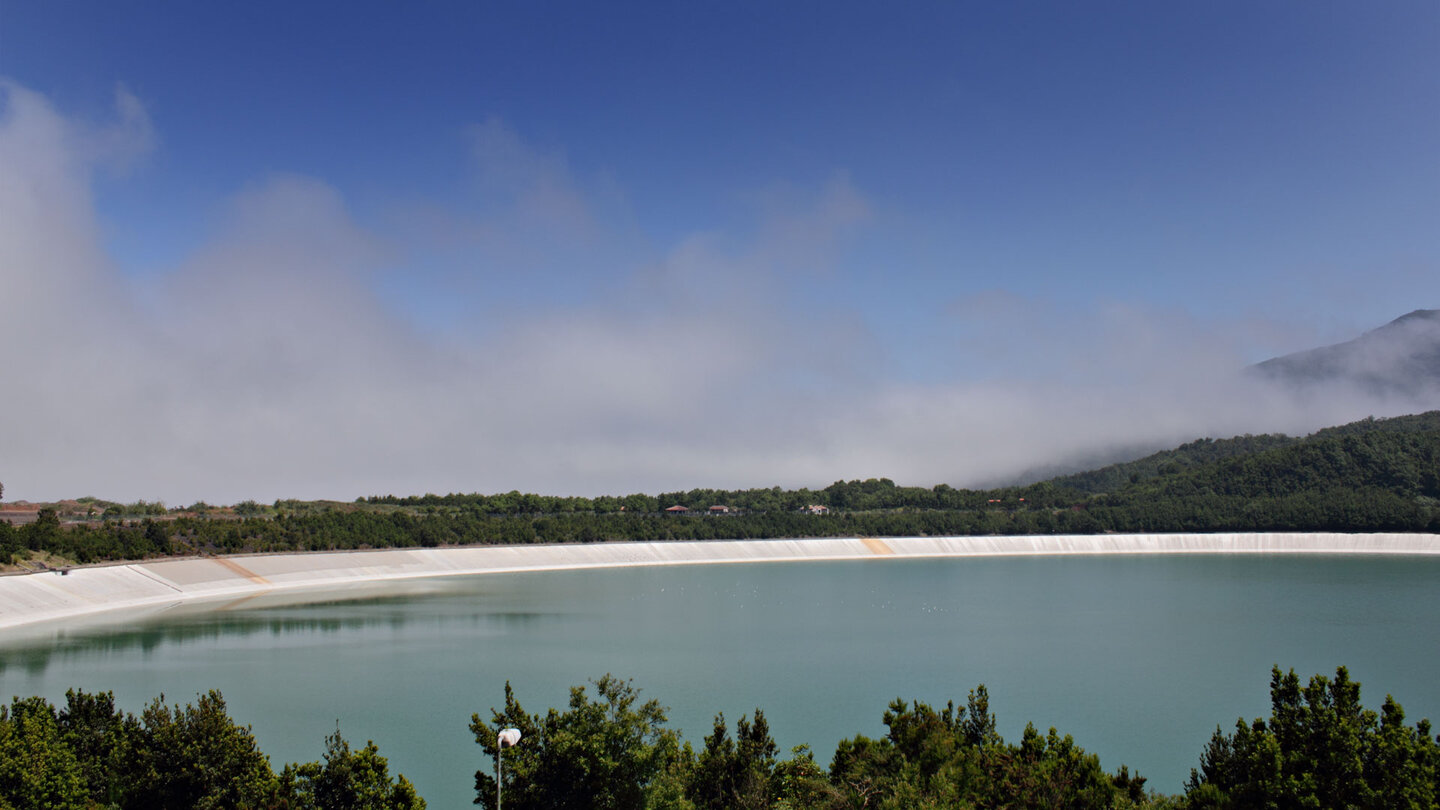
[
  {"x": 1320, "y": 748},
  {"x": 197, "y": 758},
  {"x": 1047, "y": 771},
  {"x": 157, "y": 538},
  {"x": 44, "y": 532},
  {"x": 348, "y": 780},
  {"x": 736, "y": 773},
  {"x": 954, "y": 758},
  {"x": 801, "y": 783},
  {"x": 37, "y": 768},
  {"x": 104, "y": 740},
  {"x": 10, "y": 543},
  {"x": 865, "y": 771},
  {"x": 610, "y": 753}
]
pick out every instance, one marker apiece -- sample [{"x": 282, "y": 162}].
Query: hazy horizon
[{"x": 272, "y": 252}]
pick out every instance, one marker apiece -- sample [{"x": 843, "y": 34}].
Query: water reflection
[{"x": 457, "y": 610}]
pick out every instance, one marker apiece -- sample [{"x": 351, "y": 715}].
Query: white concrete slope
[{"x": 29, "y": 598}]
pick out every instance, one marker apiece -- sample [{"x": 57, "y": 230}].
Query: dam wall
[{"x": 27, "y": 599}]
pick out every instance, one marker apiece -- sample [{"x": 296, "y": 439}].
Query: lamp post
[{"x": 506, "y": 738}]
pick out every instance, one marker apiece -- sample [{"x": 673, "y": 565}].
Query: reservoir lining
[{"x": 47, "y": 596}]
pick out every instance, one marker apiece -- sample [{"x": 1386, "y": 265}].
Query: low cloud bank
[{"x": 270, "y": 363}]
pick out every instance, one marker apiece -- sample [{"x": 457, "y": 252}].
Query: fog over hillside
[
  {"x": 267, "y": 365},
  {"x": 507, "y": 247},
  {"x": 1387, "y": 371},
  {"x": 1401, "y": 358}
]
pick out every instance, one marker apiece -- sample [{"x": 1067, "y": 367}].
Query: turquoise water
[{"x": 1139, "y": 657}]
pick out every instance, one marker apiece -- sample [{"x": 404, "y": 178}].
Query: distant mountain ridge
[{"x": 1400, "y": 358}]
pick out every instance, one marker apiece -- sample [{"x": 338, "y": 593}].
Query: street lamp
[{"x": 507, "y": 737}]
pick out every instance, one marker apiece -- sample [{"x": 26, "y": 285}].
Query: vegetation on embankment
[
  {"x": 1369, "y": 476},
  {"x": 1320, "y": 748}
]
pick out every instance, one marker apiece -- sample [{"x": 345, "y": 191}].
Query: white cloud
[
  {"x": 120, "y": 145},
  {"x": 267, "y": 365},
  {"x": 535, "y": 186},
  {"x": 803, "y": 232}
]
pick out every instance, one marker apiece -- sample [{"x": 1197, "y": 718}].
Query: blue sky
[{"x": 331, "y": 250}]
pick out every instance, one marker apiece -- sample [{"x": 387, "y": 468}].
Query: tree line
[
  {"x": 859, "y": 496},
  {"x": 1320, "y": 747},
  {"x": 87, "y": 755},
  {"x": 1373, "y": 476}
]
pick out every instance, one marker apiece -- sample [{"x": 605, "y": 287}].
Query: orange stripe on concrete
[
  {"x": 877, "y": 545},
  {"x": 242, "y": 570}
]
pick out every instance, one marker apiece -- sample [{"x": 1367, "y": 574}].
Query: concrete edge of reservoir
[{"x": 40, "y": 597}]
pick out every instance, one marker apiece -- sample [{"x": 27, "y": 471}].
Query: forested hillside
[
  {"x": 1377, "y": 480},
  {"x": 1198, "y": 453},
  {"x": 1203, "y": 452},
  {"x": 1372, "y": 475},
  {"x": 1414, "y": 423}
]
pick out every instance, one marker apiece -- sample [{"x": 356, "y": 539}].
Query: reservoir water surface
[{"x": 1138, "y": 657}]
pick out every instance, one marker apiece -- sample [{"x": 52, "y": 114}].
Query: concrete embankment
[{"x": 30, "y": 598}]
